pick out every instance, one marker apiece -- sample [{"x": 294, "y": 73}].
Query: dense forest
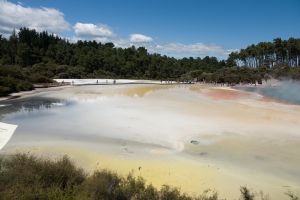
[{"x": 29, "y": 57}]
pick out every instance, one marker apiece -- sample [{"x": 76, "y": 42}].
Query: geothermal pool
[{"x": 191, "y": 136}]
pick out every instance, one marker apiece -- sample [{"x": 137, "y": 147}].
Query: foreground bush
[{"x": 26, "y": 177}]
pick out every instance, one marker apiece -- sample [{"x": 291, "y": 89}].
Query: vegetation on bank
[
  {"x": 14, "y": 79},
  {"x": 29, "y": 57},
  {"x": 26, "y": 177}
]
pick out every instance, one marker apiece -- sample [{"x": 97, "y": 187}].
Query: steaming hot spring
[{"x": 191, "y": 136}]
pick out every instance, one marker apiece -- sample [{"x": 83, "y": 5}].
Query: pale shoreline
[
  {"x": 102, "y": 82},
  {"x": 22, "y": 94}
]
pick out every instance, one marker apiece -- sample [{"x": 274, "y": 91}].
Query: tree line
[
  {"x": 47, "y": 52},
  {"x": 28, "y": 57},
  {"x": 268, "y": 54}
]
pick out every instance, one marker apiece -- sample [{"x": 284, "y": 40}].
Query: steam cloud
[{"x": 287, "y": 90}]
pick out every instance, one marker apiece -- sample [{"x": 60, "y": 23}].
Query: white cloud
[
  {"x": 91, "y": 31},
  {"x": 178, "y": 50},
  {"x": 139, "y": 38},
  {"x": 17, "y": 16},
  {"x": 196, "y": 49}
]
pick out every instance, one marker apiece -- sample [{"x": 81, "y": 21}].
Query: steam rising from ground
[
  {"x": 288, "y": 90},
  {"x": 179, "y": 127}
]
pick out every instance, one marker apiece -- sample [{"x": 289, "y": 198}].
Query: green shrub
[
  {"x": 246, "y": 194},
  {"x": 37, "y": 78},
  {"x": 13, "y": 79},
  {"x": 102, "y": 185},
  {"x": 4, "y": 91},
  {"x": 24, "y": 86},
  {"x": 168, "y": 192},
  {"x": 27, "y": 177}
]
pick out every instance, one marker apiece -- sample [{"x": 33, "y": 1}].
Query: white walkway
[{"x": 6, "y": 131}]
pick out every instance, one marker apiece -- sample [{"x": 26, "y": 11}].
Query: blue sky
[{"x": 173, "y": 27}]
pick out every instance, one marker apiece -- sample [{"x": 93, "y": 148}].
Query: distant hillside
[{"x": 30, "y": 57}]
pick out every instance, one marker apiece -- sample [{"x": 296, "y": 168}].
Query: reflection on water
[
  {"x": 29, "y": 104},
  {"x": 142, "y": 91}
]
